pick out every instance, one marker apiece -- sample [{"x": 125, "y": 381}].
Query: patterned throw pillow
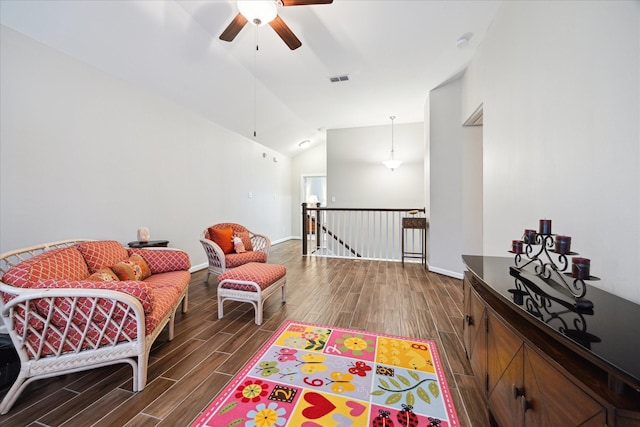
[
  {"x": 161, "y": 260},
  {"x": 103, "y": 275},
  {"x": 144, "y": 267},
  {"x": 223, "y": 237},
  {"x": 102, "y": 253},
  {"x": 127, "y": 270},
  {"x": 246, "y": 239}
]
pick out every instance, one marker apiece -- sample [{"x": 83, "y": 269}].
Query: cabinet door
[
  {"x": 504, "y": 368},
  {"x": 475, "y": 339},
  {"x": 552, "y": 400}
]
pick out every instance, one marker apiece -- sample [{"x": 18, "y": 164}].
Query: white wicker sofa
[{"x": 63, "y": 316}]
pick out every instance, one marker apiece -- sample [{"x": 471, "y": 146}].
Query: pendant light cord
[
  {"x": 255, "y": 87},
  {"x": 392, "y": 119}
]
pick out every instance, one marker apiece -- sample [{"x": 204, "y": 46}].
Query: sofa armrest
[
  {"x": 215, "y": 254},
  {"x": 52, "y": 322},
  {"x": 162, "y": 260},
  {"x": 260, "y": 243}
]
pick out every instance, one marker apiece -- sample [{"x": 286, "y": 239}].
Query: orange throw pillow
[
  {"x": 103, "y": 275},
  {"x": 223, "y": 237},
  {"x": 127, "y": 270},
  {"x": 137, "y": 259}
]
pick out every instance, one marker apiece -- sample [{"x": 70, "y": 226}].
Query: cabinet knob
[
  {"x": 468, "y": 320},
  {"x": 526, "y": 405},
  {"x": 518, "y": 391}
]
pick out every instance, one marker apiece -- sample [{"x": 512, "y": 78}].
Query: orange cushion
[
  {"x": 234, "y": 260},
  {"x": 127, "y": 270},
  {"x": 102, "y": 253},
  {"x": 223, "y": 237},
  {"x": 103, "y": 275},
  {"x": 165, "y": 260},
  {"x": 262, "y": 275},
  {"x": 61, "y": 263},
  {"x": 137, "y": 259}
]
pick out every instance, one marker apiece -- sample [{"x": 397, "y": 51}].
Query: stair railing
[{"x": 366, "y": 233}]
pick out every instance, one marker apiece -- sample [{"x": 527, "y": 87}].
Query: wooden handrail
[{"x": 375, "y": 229}]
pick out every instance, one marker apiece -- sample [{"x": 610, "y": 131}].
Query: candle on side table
[
  {"x": 545, "y": 226},
  {"x": 580, "y": 268},
  {"x": 563, "y": 244}
]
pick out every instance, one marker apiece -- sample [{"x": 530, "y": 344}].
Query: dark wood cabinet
[
  {"x": 532, "y": 376},
  {"x": 474, "y": 333},
  {"x": 504, "y": 373},
  {"x": 526, "y": 390}
]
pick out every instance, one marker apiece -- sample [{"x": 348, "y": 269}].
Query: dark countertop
[{"x": 610, "y": 329}]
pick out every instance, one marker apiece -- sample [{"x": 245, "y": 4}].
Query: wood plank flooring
[{"x": 185, "y": 374}]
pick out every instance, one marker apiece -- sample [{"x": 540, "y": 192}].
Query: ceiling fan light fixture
[
  {"x": 392, "y": 163},
  {"x": 258, "y": 12}
]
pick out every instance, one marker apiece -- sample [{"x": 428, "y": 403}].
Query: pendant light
[{"x": 392, "y": 163}]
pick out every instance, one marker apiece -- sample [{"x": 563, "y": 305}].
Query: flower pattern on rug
[{"x": 311, "y": 376}]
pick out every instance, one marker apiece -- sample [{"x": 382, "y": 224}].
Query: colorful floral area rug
[{"x": 318, "y": 376}]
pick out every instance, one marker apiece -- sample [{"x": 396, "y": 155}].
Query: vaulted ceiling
[{"x": 393, "y": 52}]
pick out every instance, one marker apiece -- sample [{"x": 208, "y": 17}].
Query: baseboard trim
[
  {"x": 198, "y": 267},
  {"x": 275, "y": 242},
  {"x": 446, "y": 272}
]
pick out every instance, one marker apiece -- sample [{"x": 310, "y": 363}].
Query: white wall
[
  {"x": 356, "y": 176},
  {"x": 561, "y": 93},
  {"x": 313, "y": 161},
  {"x": 472, "y": 220},
  {"x": 455, "y": 220},
  {"x": 83, "y": 154}
]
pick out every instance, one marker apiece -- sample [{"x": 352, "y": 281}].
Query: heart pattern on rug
[
  {"x": 320, "y": 406},
  {"x": 356, "y": 408}
]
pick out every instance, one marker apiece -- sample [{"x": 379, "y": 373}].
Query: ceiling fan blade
[
  {"x": 234, "y": 28},
  {"x": 304, "y": 2},
  {"x": 285, "y": 33}
]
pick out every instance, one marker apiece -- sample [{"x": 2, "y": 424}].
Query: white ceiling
[{"x": 394, "y": 53}]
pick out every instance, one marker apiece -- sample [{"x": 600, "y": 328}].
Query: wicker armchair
[{"x": 219, "y": 262}]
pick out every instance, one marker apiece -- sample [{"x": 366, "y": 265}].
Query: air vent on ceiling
[{"x": 336, "y": 79}]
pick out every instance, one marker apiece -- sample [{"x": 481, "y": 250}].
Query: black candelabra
[{"x": 547, "y": 254}]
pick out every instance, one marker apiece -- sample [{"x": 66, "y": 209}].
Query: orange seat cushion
[{"x": 262, "y": 275}]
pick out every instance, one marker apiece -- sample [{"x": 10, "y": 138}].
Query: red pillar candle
[
  {"x": 516, "y": 246},
  {"x": 545, "y": 226},
  {"x": 530, "y": 236},
  {"x": 580, "y": 267},
  {"x": 563, "y": 244}
]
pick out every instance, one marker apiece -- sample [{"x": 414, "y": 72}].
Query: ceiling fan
[{"x": 262, "y": 12}]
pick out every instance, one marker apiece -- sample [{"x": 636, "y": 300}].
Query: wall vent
[{"x": 336, "y": 79}]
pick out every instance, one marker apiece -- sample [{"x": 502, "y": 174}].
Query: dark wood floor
[{"x": 185, "y": 374}]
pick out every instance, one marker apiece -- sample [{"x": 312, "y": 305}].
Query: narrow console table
[
  {"x": 415, "y": 223},
  {"x": 545, "y": 358}
]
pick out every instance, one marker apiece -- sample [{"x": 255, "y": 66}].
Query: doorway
[{"x": 314, "y": 190}]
